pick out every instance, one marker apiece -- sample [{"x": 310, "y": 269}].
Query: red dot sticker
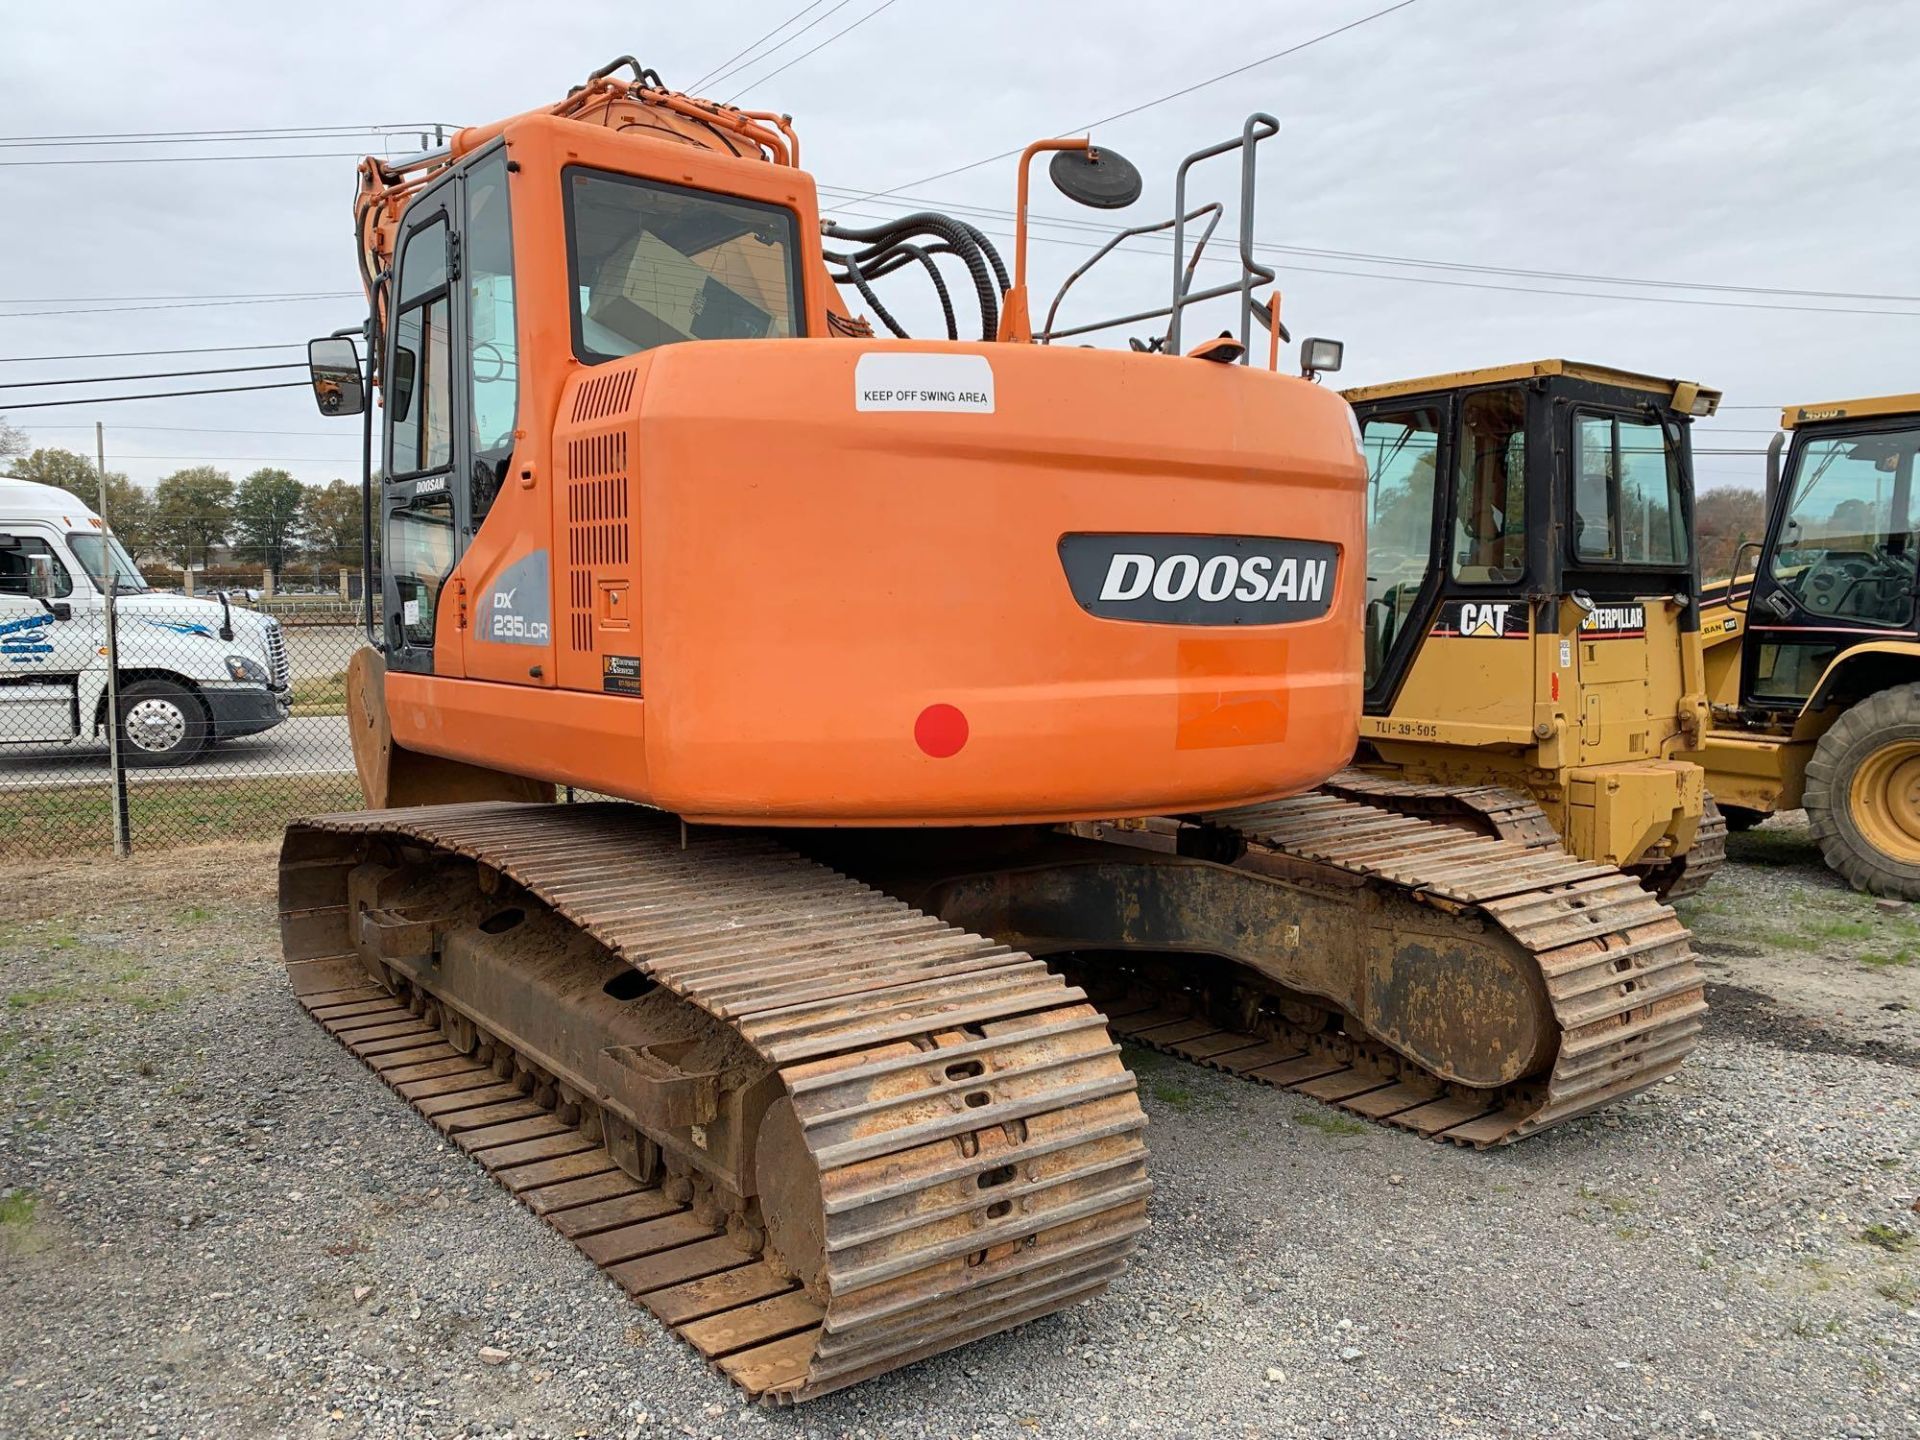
[{"x": 940, "y": 731}]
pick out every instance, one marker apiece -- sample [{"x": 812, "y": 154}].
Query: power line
[
  {"x": 1149, "y": 104},
  {"x": 725, "y": 67},
  {"x": 1361, "y": 256},
  {"x": 238, "y": 132},
  {"x": 203, "y": 159},
  {"x": 123, "y": 299},
  {"x": 158, "y": 395},
  {"x": 1472, "y": 284},
  {"x": 353, "y": 460},
  {"x": 187, "y": 305},
  {"x": 149, "y": 375},
  {"x": 134, "y": 354},
  {"x": 883, "y": 5},
  {"x": 198, "y": 430}
]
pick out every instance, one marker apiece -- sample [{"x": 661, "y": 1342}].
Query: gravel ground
[{"x": 214, "y": 1223}]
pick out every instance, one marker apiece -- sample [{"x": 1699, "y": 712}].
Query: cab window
[
  {"x": 1402, "y": 450},
  {"x": 1489, "y": 511},
  {"x": 1846, "y": 548},
  {"x": 17, "y": 556},
  {"x": 492, "y": 349},
  {"x": 421, "y": 414},
  {"x": 1626, "y": 493},
  {"x": 420, "y": 553},
  {"x": 651, "y": 264}
]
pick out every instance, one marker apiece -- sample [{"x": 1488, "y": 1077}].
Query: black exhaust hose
[
  {"x": 866, "y": 293},
  {"x": 902, "y": 253},
  {"x": 879, "y": 238}
]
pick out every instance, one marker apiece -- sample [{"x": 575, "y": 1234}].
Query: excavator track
[
  {"x": 953, "y": 1146},
  {"x": 1615, "y": 962},
  {"x": 1509, "y": 814}
]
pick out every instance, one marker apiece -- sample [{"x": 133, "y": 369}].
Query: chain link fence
[{"x": 231, "y": 702}]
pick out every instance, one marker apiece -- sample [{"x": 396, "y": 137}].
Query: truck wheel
[
  {"x": 1863, "y": 794},
  {"x": 161, "y": 723}
]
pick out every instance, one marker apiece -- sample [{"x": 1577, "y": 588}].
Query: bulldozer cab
[
  {"x": 1837, "y": 569},
  {"x": 1497, "y": 497},
  {"x": 1530, "y": 621}
]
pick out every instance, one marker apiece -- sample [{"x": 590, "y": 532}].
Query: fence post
[{"x": 110, "y": 587}]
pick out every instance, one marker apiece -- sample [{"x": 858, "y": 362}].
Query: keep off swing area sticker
[{"x": 953, "y": 384}]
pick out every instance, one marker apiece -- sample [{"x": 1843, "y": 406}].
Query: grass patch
[
  {"x": 1807, "y": 1328},
  {"x": 1901, "y": 1291},
  {"x": 320, "y": 695},
  {"x": 1839, "y": 929},
  {"x": 179, "y": 809},
  {"x": 1890, "y": 1238},
  {"x": 1902, "y": 956},
  {"x": 17, "y": 1230},
  {"x": 1616, "y": 1203},
  {"x": 1332, "y": 1122},
  {"x": 36, "y": 996},
  {"x": 1168, "y": 1093}
]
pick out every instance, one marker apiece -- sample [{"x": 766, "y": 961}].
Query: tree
[
  {"x": 192, "y": 512},
  {"x": 13, "y": 440},
  {"x": 266, "y": 516},
  {"x": 1725, "y": 518},
  {"x": 330, "y": 519},
  {"x": 129, "y": 509}
]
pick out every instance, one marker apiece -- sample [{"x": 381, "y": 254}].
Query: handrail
[{"x": 1259, "y": 126}]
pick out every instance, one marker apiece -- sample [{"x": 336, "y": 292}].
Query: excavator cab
[{"x": 1529, "y": 620}]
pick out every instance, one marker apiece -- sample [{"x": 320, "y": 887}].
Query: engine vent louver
[
  {"x": 597, "y": 512},
  {"x": 603, "y": 396}
]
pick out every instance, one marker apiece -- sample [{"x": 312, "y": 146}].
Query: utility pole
[{"x": 109, "y": 587}]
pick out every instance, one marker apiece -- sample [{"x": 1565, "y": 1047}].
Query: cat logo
[
  {"x": 1488, "y": 621},
  {"x": 1483, "y": 620}
]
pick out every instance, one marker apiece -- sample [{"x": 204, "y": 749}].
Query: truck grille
[{"x": 277, "y": 654}]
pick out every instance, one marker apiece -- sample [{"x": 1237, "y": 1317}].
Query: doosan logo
[
  {"x": 1201, "y": 579},
  {"x": 1215, "y": 579}
]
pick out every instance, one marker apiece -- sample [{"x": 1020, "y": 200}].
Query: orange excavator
[{"x": 952, "y": 707}]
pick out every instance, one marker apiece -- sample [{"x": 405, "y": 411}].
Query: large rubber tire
[
  {"x": 1862, "y": 794},
  {"x": 1739, "y": 818},
  {"x": 161, "y": 723}
]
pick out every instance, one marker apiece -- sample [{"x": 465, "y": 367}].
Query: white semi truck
[{"x": 192, "y": 670}]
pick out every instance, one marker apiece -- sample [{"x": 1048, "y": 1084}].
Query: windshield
[
  {"x": 1846, "y": 547},
  {"x": 1627, "y": 507},
  {"x": 88, "y": 547},
  {"x": 652, "y": 264}
]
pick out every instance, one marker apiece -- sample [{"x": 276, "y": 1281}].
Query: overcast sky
[{"x": 1752, "y": 143}]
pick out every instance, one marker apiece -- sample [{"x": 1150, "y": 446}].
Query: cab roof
[
  {"x": 30, "y": 500},
  {"x": 1685, "y": 396},
  {"x": 1796, "y": 415}
]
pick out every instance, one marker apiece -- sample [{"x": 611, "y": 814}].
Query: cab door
[
  {"x": 424, "y": 431},
  {"x": 1404, "y": 444},
  {"x": 45, "y": 641}
]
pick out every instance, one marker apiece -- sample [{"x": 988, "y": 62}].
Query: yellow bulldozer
[
  {"x": 1812, "y": 655},
  {"x": 1533, "y": 659}
]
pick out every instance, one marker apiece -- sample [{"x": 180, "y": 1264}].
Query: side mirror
[
  {"x": 40, "y": 578},
  {"x": 334, "y": 366},
  {"x": 1318, "y": 357}
]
